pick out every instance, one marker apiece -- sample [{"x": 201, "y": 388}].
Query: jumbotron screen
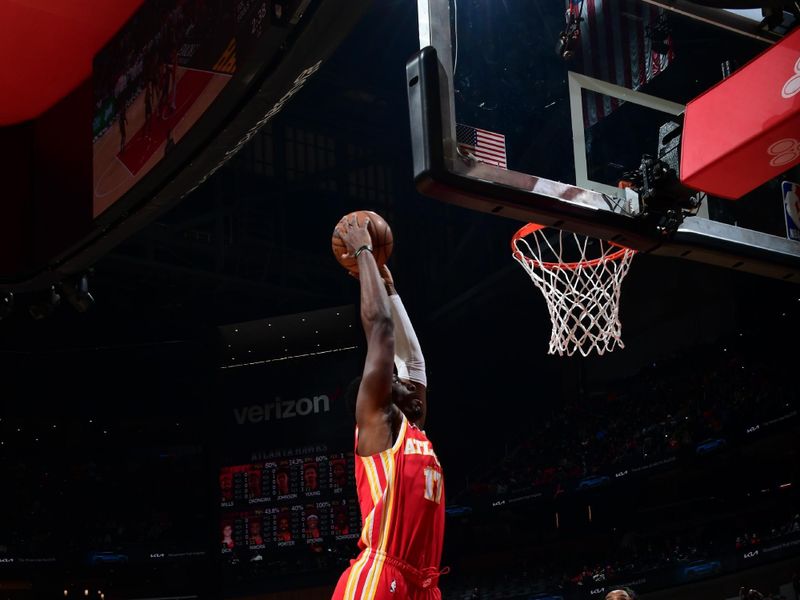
[
  {"x": 288, "y": 502},
  {"x": 159, "y": 75}
]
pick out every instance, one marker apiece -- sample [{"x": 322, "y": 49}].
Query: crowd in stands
[
  {"x": 633, "y": 557},
  {"x": 779, "y": 528},
  {"x": 691, "y": 403},
  {"x": 102, "y": 498},
  {"x": 707, "y": 398}
]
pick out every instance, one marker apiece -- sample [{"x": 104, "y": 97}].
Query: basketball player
[
  {"x": 398, "y": 477},
  {"x": 284, "y": 533},
  {"x": 148, "y": 108},
  {"x": 312, "y": 527},
  {"x": 122, "y": 120},
  {"x": 227, "y": 537},
  {"x": 310, "y": 477},
  {"x": 340, "y": 522},
  {"x": 256, "y": 539},
  {"x": 282, "y": 482},
  {"x": 339, "y": 474}
]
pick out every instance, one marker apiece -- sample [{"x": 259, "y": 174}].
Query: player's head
[
  {"x": 255, "y": 526},
  {"x": 405, "y": 395},
  {"x": 339, "y": 472},
  {"x": 622, "y": 593},
  {"x": 283, "y": 523},
  {"x": 227, "y": 531},
  {"x": 340, "y": 518},
  {"x": 310, "y": 476},
  {"x": 282, "y": 479}
]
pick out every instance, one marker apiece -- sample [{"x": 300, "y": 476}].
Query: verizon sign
[{"x": 280, "y": 409}]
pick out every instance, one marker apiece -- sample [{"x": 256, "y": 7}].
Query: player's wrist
[{"x": 363, "y": 248}]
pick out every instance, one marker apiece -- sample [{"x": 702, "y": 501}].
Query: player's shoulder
[{"x": 416, "y": 432}]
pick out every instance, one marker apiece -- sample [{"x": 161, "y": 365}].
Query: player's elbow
[
  {"x": 381, "y": 332},
  {"x": 377, "y": 318}
]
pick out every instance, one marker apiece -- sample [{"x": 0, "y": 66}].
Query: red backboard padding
[
  {"x": 745, "y": 130},
  {"x": 47, "y": 48}
]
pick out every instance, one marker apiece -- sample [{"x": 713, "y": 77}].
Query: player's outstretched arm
[
  {"x": 408, "y": 357},
  {"x": 374, "y": 409}
]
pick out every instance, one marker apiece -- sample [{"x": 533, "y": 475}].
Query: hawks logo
[{"x": 414, "y": 446}]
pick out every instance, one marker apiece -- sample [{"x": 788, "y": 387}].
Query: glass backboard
[{"x": 544, "y": 112}]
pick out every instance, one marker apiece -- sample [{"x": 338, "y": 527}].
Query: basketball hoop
[{"x": 580, "y": 278}]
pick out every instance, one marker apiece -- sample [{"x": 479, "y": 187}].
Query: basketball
[{"x": 379, "y": 231}]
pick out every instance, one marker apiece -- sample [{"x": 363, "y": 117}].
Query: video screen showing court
[{"x": 159, "y": 75}]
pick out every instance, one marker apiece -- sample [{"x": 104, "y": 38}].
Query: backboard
[{"x": 539, "y": 111}]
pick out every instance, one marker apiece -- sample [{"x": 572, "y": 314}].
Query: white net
[{"x": 581, "y": 279}]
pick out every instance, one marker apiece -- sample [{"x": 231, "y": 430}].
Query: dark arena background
[{"x": 176, "y": 337}]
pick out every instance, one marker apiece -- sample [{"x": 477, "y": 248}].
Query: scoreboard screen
[{"x": 274, "y": 504}]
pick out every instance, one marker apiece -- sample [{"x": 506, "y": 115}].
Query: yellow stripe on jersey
[
  {"x": 375, "y": 493},
  {"x": 398, "y": 445},
  {"x": 355, "y": 575},
  {"x": 389, "y": 463},
  {"x": 370, "y": 584},
  {"x": 372, "y": 477},
  {"x": 390, "y": 467},
  {"x": 369, "y": 523}
]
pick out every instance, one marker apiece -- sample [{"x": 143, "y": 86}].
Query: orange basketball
[{"x": 379, "y": 231}]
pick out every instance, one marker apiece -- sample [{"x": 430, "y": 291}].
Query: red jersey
[{"x": 401, "y": 494}]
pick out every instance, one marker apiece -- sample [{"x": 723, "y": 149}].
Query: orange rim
[{"x": 534, "y": 227}]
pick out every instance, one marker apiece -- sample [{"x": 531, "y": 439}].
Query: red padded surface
[
  {"x": 746, "y": 129},
  {"x": 47, "y": 48}
]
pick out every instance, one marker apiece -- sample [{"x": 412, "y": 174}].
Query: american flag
[
  {"x": 616, "y": 47},
  {"x": 486, "y": 146}
]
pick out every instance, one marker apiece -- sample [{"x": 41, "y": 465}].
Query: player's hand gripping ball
[{"x": 379, "y": 233}]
